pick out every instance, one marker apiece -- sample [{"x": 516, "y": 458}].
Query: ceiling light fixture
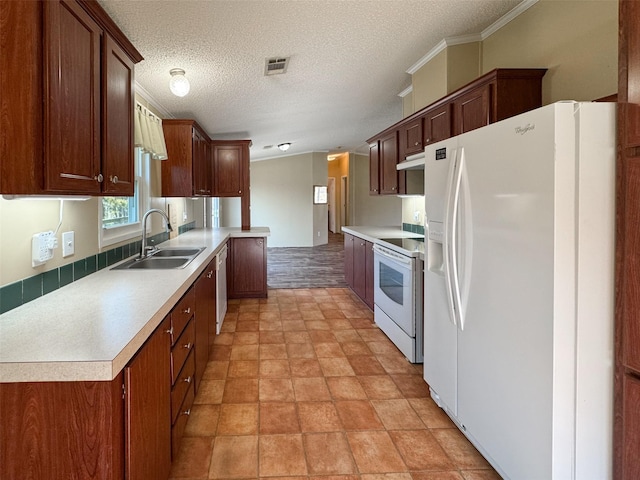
[
  {"x": 178, "y": 84},
  {"x": 284, "y": 146}
]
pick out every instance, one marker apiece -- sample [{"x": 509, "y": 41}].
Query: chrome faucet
[{"x": 144, "y": 250}]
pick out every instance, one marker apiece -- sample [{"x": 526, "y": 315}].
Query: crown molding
[
  {"x": 478, "y": 37},
  {"x": 140, "y": 90},
  {"x": 406, "y": 91}
]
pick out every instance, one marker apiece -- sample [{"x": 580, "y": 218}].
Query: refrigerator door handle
[
  {"x": 449, "y": 208},
  {"x": 455, "y": 226}
]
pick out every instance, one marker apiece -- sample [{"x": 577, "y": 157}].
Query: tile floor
[{"x": 304, "y": 385}]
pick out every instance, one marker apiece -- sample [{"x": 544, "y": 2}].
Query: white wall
[{"x": 281, "y": 199}]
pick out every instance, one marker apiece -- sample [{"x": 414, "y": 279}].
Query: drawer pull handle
[
  {"x": 187, "y": 412},
  {"x": 188, "y": 379},
  {"x": 170, "y": 331},
  {"x": 187, "y": 346},
  {"x": 187, "y": 311},
  {"x": 210, "y": 274}
]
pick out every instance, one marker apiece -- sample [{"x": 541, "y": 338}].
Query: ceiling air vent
[{"x": 275, "y": 66}]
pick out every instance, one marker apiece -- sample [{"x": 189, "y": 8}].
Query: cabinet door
[
  {"x": 249, "y": 267},
  {"x": 72, "y": 99},
  {"x": 630, "y": 467},
  {"x": 388, "y": 163},
  {"x": 205, "y": 317},
  {"x": 228, "y": 167},
  {"x": 359, "y": 266},
  {"x": 117, "y": 125},
  {"x": 411, "y": 138},
  {"x": 437, "y": 124},
  {"x": 348, "y": 258},
  {"x": 148, "y": 409},
  {"x": 473, "y": 110},
  {"x": 368, "y": 275},
  {"x": 201, "y": 170},
  {"x": 374, "y": 169}
]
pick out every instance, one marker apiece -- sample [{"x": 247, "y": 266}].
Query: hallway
[{"x": 304, "y": 385}]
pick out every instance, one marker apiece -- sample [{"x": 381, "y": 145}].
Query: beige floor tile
[
  {"x": 278, "y": 417},
  {"x": 276, "y": 390},
  {"x": 449, "y": 475},
  {"x": 238, "y": 419},
  {"x": 420, "y": 450},
  {"x": 311, "y": 316},
  {"x": 374, "y": 452},
  {"x": 281, "y": 455},
  {"x": 305, "y": 367},
  {"x": 293, "y": 325},
  {"x": 216, "y": 370},
  {"x": 328, "y": 454},
  {"x": 271, "y": 337},
  {"x": 210, "y": 391},
  {"x": 248, "y": 307},
  {"x": 358, "y": 415},
  {"x": 312, "y": 389},
  {"x": 318, "y": 417},
  {"x": 245, "y": 352},
  {"x": 432, "y": 415},
  {"x": 290, "y": 313},
  {"x": 383, "y": 348},
  {"x": 371, "y": 334},
  {"x": 193, "y": 458},
  {"x": 234, "y": 457},
  {"x": 297, "y": 337},
  {"x": 458, "y": 448},
  {"x": 274, "y": 369},
  {"x": 301, "y": 350},
  {"x": 349, "y": 335},
  {"x": 224, "y": 338},
  {"x": 270, "y": 326},
  {"x": 480, "y": 475},
  {"x": 379, "y": 387},
  {"x": 203, "y": 421},
  {"x": 220, "y": 352},
  {"x": 317, "y": 325},
  {"x": 336, "y": 367},
  {"x": 246, "y": 338},
  {"x": 243, "y": 368},
  {"x": 321, "y": 336},
  {"x": 346, "y": 388},
  {"x": 358, "y": 348},
  {"x": 273, "y": 351},
  {"x": 240, "y": 390},
  {"x": 397, "y": 414},
  {"x": 269, "y": 315},
  {"x": 248, "y": 325},
  {"x": 386, "y": 476},
  {"x": 411, "y": 386},
  {"x": 365, "y": 364},
  {"x": 328, "y": 350},
  {"x": 394, "y": 362}
]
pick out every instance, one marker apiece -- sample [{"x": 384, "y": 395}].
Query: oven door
[{"x": 394, "y": 287}]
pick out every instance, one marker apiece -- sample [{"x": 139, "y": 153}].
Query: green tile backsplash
[
  {"x": 413, "y": 228},
  {"x": 23, "y": 291}
]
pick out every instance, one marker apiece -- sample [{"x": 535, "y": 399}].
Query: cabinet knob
[
  {"x": 393, "y": 188},
  {"x": 210, "y": 274},
  {"x": 188, "y": 379},
  {"x": 428, "y": 140},
  {"x": 362, "y": 244},
  {"x": 187, "y": 346},
  {"x": 187, "y": 310},
  {"x": 170, "y": 331},
  {"x": 259, "y": 242},
  {"x": 239, "y": 191},
  {"x": 187, "y": 412},
  {"x": 114, "y": 179},
  {"x": 98, "y": 178},
  {"x": 417, "y": 143}
]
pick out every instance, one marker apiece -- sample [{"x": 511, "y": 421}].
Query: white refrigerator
[{"x": 519, "y": 289}]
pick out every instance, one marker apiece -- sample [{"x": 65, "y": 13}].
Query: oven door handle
[{"x": 391, "y": 255}]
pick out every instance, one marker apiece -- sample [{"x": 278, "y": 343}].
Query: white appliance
[
  {"x": 397, "y": 297},
  {"x": 519, "y": 289},
  {"x": 221, "y": 287}
]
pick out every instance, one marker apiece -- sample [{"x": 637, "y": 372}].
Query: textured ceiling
[{"x": 348, "y": 62}]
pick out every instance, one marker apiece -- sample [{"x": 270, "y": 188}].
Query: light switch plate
[{"x": 68, "y": 244}]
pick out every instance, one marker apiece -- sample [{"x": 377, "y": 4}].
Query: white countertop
[
  {"x": 375, "y": 234},
  {"x": 91, "y": 328}
]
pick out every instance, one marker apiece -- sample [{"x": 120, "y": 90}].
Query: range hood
[{"x": 412, "y": 162}]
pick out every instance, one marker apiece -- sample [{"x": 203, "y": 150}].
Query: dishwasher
[{"x": 221, "y": 287}]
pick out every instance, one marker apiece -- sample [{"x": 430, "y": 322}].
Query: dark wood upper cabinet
[
  {"x": 472, "y": 110},
  {"x": 117, "y": 128},
  {"x": 187, "y": 171},
  {"x": 230, "y": 167},
  {"x": 411, "y": 137},
  {"x": 437, "y": 123},
  {"x": 388, "y": 162},
  {"x": 66, "y": 74},
  {"x": 374, "y": 167}
]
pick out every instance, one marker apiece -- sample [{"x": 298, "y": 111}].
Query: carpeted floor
[{"x": 307, "y": 267}]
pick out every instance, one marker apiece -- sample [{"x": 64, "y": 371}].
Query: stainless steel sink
[{"x": 162, "y": 258}]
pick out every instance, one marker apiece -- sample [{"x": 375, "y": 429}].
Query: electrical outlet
[
  {"x": 416, "y": 216},
  {"x": 68, "y": 244},
  {"x": 42, "y": 245}
]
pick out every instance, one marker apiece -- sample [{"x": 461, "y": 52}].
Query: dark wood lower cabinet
[
  {"x": 205, "y": 317},
  {"x": 62, "y": 430},
  {"x": 631, "y": 429},
  {"x": 148, "y": 409},
  {"x": 247, "y": 267},
  {"x": 358, "y": 267}
]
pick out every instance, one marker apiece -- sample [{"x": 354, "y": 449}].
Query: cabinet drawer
[
  {"x": 181, "y": 314},
  {"x": 178, "y": 428},
  {"x": 184, "y": 383},
  {"x": 181, "y": 350}
]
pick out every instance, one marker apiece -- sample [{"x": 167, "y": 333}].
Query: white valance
[{"x": 148, "y": 133}]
